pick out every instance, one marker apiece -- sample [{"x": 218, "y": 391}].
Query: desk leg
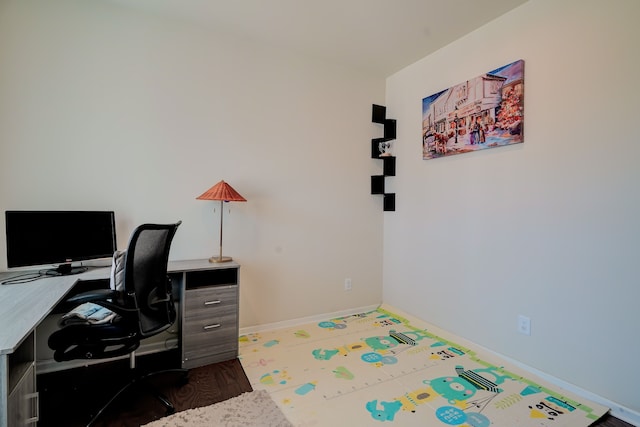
[{"x": 4, "y": 390}]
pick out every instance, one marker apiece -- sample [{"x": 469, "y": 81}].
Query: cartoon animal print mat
[{"x": 380, "y": 367}]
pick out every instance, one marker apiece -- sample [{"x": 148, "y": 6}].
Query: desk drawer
[
  {"x": 218, "y": 343},
  {"x": 211, "y": 302},
  {"x": 210, "y": 327}
]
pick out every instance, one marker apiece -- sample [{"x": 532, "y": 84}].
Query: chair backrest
[{"x": 147, "y": 286}]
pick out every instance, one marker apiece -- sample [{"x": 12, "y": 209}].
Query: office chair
[{"x": 141, "y": 298}]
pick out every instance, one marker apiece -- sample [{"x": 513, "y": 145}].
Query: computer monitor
[{"x": 38, "y": 238}]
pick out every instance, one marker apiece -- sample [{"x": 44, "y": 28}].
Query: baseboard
[
  {"x": 303, "y": 320},
  {"x": 625, "y": 414}
]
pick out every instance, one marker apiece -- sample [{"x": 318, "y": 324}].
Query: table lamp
[{"x": 225, "y": 193}]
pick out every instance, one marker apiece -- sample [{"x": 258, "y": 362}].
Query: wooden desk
[{"x": 207, "y": 300}]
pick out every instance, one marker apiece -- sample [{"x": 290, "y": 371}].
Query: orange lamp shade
[{"x": 222, "y": 191}]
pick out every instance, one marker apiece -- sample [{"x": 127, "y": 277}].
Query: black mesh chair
[{"x": 141, "y": 303}]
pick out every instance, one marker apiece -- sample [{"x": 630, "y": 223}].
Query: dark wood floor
[{"x": 70, "y": 398}]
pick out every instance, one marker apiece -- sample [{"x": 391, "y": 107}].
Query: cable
[
  {"x": 31, "y": 277},
  {"x": 23, "y": 278}
]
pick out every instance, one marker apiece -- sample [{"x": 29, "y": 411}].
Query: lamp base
[{"x": 220, "y": 259}]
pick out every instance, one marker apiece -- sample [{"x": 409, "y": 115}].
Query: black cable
[
  {"x": 32, "y": 277},
  {"x": 23, "y": 278}
]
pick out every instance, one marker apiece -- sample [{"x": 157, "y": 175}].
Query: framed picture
[{"x": 484, "y": 112}]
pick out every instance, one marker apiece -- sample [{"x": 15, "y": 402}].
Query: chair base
[{"x": 141, "y": 382}]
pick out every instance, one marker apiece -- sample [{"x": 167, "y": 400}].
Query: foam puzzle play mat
[{"x": 381, "y": 368}]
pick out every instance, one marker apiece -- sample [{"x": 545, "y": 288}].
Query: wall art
[{"x": 484, "y": 112}]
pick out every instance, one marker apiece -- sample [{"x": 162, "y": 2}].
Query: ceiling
[{"x": 379, "y": 36}]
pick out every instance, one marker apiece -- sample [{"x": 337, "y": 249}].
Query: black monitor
[{"x": 37, "y": 238}]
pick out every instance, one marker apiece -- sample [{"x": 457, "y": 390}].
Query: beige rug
[{"x": 255, "y": 408}]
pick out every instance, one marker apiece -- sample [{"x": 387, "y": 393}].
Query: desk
[{"x": 207, "y": 303}]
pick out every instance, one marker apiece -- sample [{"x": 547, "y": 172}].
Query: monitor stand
[{"x": 66, "y": 270}]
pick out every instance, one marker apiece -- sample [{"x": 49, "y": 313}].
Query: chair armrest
[{"x": 94, "y": 296}]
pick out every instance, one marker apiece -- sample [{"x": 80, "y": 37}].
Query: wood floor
[{"x": 71, "y": 398}]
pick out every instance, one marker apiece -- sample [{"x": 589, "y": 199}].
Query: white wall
[
  {"x": 106, "y": 108},
  {"x": 548, "y": 228}
]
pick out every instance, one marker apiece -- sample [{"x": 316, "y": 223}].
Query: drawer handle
[
  {"x": 217, "y": 325},
  {"x": 212, "y": 302},
  {"x": 36, "y": 398}
]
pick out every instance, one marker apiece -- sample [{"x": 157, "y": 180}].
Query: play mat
[{"x": 377, "y": 368}]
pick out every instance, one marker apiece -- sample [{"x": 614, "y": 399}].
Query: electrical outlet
[
  {"x": 347, "y": 284},
  {"x": 524, "y": 325}
]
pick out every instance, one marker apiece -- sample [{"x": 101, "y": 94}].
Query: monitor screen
[{"x": 37, "y": 238}]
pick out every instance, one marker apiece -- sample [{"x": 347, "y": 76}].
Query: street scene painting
[{"x": 484, "y": 112}]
